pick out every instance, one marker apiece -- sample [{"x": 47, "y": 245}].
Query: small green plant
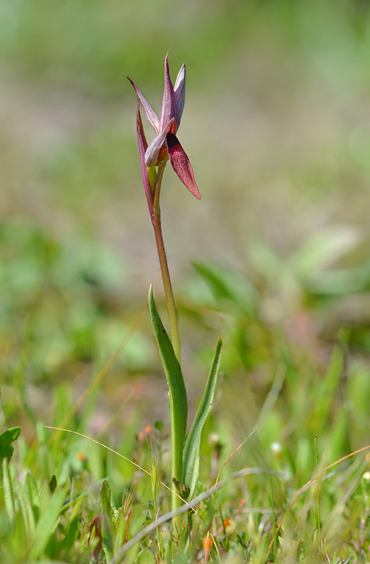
[{"x": 153, "y": 158}]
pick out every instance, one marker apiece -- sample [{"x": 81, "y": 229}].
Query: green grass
[
  {"x": 281, "y": 379},
  {"x": 276, "y": 126}
]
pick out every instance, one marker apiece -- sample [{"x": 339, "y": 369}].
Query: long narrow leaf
[
  {"x": 177, "y": 393},
  {"x": 192, "y": 447},
  {"x": 25, "y": 505},
  {"x": 33, "y": 495},
  {"x": 8, "y": 491},
  {"x": 107, "y": 533},
  {"x": 47, "y": 523}
]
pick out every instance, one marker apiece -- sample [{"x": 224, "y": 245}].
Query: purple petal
[
  {"x": 169, "y": 100},
  {"x": 144, "y": 173},
  {"x": 149, "y": 112},
  {"x": 181, "y": 164},
  {"x": 179, "y": 90},
  {"x": 152, "y": 152}
]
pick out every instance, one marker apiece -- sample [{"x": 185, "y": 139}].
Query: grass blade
[
  {"x": 192, "y": 447},
  {"x": 33, "y": 495},
  {"x": 25, "y": 506},
  {"x": 47, "y": 523},
  {"x": 8, "y": 492},
  {"x": 107, "y": 536}
]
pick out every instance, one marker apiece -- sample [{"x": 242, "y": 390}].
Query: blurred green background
[{"x": 277, "y": 127}]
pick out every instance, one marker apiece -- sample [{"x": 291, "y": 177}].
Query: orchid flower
[
  {"x": 165, "y": 144},
  {"x": 153, "y": 158}
]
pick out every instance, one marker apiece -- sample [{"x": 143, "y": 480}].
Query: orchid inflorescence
[{"x": 165, "y": 144}]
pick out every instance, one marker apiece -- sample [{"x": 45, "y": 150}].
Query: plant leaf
[
  {"x": 105, "y": 495},
  {"x": 192, "y": 447},
  {"x": 323, "y": 249},
  {"x": 33, "y": 495},
  {"x": 25, "y": 505},
  {"x": 145, "y": 557},
  {"x": 231, "y": 288},
  {"x": 6, "y": 440},
  {"x": 177, "y": 393},
  {"x": 107, "y": 532},
  {"x": 8, "y": 491},
  {"x": 47, "y": 523}
]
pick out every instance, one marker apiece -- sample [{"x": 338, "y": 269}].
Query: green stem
[
  {"x": 170, "y": 300},
  {"x": 177, "y": 442}
]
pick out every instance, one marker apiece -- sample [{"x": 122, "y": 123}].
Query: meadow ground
[{"x": 274, "y": 258}]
